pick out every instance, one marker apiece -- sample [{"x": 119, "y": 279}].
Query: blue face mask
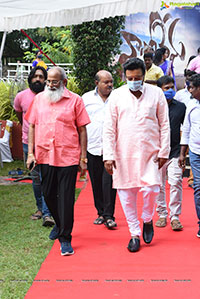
[
  {"x": 134, "y": 85},
  {"x": 40, "y": 56},
  {"x": 169, "y": 94}
]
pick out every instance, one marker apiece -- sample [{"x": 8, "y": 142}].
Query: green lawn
[{"x": 24, "y": 243}]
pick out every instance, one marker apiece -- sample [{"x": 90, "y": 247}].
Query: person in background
[
  {"x": 22, "y": 101},
  {"x": 171, "y": 169},
  {"x": 194, "y": 64},
  {"x": 166, "y": 65},
  {"x": 57, "y": 120},
  {"x": 148, "y": 49},
  {"x": 185, "y": 97},
  {"x": 160, "y": 59},
  {"x": 191, "y": 138},
  {"x": 190, "y": 58},
  {"x": 153, "y": 72},
  {"x": 38, "y": 61},
  {"x": 136, "y": 144},
  {"x": 19, "y": 71},
  {"x": 96, "y": 102}
]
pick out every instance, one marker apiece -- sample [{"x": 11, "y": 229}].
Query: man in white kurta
[{"x": 136, "y": 143}]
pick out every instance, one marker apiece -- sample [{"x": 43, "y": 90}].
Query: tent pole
[{"x": 1, "y": 53}]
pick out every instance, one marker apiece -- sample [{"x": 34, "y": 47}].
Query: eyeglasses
[{"x": 53, "y": 82}]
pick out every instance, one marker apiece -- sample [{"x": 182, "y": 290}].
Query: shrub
[
  {"x": 95, "y": 46},
  {"x": 6, "y": 108},
  {"x": 8, "y": 91},
  {"x": 73, "y": 85}
]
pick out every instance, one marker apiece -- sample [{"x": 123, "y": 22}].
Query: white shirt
[
  {"x": 95, "y": 107},
  {"x": 191, "y": 127},
  {"x": 183, "y": 96}
]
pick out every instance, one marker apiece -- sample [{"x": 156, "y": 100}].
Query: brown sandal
[
  {"x": 161, "y": 222},
  {"x": 176, "y": 225},
  {"x": 37, "y": 215}
]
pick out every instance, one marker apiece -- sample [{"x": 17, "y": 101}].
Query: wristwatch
[{"x": 85, "y": 160}]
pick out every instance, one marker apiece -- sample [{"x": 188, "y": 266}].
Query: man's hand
[
  {"x": 109, "y": 164},
  {"x": 30, "y": 159},
  {"x": 182, "y": 158},
  {"x": 82, "y": 168},
  {"x": 160, "y": 161},
  {"x": 181, "y": 161}
]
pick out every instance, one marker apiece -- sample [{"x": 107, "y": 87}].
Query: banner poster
[{"x": 176, "y": 28}]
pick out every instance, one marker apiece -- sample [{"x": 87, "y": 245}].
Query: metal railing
[{"x": 22, "y": 70}]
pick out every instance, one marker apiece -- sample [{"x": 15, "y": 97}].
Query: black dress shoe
[
  {"x": 134, "y": 245},
  {"x": 148, "y": 232}
]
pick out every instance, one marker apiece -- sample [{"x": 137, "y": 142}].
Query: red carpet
[{"x": 102, "y": 267}]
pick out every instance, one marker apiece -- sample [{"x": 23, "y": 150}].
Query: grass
[
  {"x": 24, "y": 242},
  {"x": 10, "y": 166}
]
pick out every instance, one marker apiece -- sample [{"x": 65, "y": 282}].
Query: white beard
[{"x": 55, "y": 94}]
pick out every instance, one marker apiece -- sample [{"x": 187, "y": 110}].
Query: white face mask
[{"x": 135, "y": 85}]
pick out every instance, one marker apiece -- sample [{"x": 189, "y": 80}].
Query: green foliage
[
  {"x": 96, "y": 45},
  {"x": 30, "y": 56},
  {"x": 119, "y": 83},
  {"x": 73, "y": 85},
  {"x": 14, "y": 45},
  {"x": 56, "y": 42},
  {"x": 8, "y": 91},
  {"x": 6, "y": 109}
]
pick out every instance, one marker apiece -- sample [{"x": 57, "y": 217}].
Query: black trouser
[
  {"x": 104, "y": 194},
  {"x": 58, "y": 186}
]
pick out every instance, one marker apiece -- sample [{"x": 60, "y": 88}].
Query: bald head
[
  {"x": 56, "y": 78},
  {"x": 104, "y": 83},
  {"x": 56, "y": 70},
  {"x": 102, "y": 73}
]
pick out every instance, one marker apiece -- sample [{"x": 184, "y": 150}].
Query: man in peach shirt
[
  {"x": 136, "y": 144},
  {"x": 58, "y": 143}
]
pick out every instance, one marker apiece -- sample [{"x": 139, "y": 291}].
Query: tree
[
  {"x": 95, "y": 46},
  {"x": 14, "y": 45},
  {"x": 56, "y": 42}
]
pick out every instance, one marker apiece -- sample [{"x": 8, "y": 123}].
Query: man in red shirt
[{"x": 57, "y": 132}]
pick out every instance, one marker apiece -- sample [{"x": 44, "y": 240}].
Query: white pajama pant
[
  {"x": 174, "y": 173},
  {"x": 128, "y": 199}
]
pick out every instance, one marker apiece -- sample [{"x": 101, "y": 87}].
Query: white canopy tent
[{"x": 23, "y": 14}]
